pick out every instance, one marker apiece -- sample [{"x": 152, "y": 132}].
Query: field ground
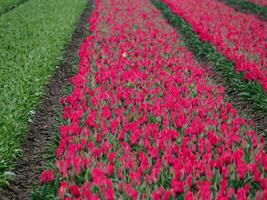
[{"x": 33, "y": 37}]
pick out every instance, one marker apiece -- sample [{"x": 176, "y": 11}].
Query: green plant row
[
  {"x": 7, "y": 5},
  {"x": 33, "y": 38},
  {"x": 247, "y": 91},
  {"x": 246, "y": 6}
]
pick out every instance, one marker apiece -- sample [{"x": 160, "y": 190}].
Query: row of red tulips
[
  {"x": 144, "y": 120},
  {"x": 240, "y": 37}
]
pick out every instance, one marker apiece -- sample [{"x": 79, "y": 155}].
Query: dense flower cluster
[
  {"x": 259, "y": 2},
  {"x": 241, "y": 37},
  {"x": 145, "y": 121}
]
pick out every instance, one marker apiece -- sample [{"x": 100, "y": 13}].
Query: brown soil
[{"x": 39, "y": 139}]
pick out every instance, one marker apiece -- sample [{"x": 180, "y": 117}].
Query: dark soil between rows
[{"x": 39, "y": 139}]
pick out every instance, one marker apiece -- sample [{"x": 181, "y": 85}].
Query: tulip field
[
  {"x": 133, "y": 99},
  {"x": 241, "y": 37},
  {"x": 146, "y": 120}
]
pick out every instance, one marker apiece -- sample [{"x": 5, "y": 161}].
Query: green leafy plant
[{"x": 33, "y": 38}]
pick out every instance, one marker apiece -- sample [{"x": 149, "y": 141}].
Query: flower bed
[
  {"x": 240, "y": 37},
  {"x": 144, "y": 120}
]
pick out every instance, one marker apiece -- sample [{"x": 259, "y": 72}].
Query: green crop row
[{"x": 33, "y": 38}]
